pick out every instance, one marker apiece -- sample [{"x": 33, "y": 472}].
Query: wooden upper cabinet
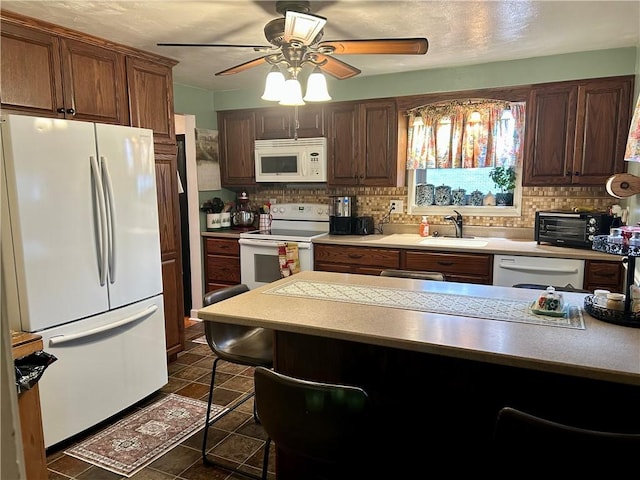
[
  {"x": 151, "y": 98},
  {"x": 602, "y": 126},
  {"x": 236, "y": 134},
  {"x": 362, "y": 143},
  {"x": 576, "y": 131},
  {"x": 49, "y": 75},
  {"x": 378, "y": 143},
  {"x": 280, "y": 122},
  {"x": 550, "y": 133},
  {"x": 342, "y": 144}
]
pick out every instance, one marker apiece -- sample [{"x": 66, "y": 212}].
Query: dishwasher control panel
[{"x": 510, "y": 270}]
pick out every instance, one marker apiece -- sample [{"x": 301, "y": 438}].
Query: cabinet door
[
  {"x": 273, "y": 123},
  {"x": 236, "y": 140},
  {"x": 309, "y": 119},
  {"x": 550, "y": 134},
  {"x": 601, "y": 130},
  {"x": 378, "y": 144},
  {"x": 94, "y": 83},
  {"x": 151, "y": 98},
  {"x": 31, "y": 71},
  {"x": 282, "y": 122},
  {"x": 170, "y": 246},
  {"x": 342, "y": 147}
]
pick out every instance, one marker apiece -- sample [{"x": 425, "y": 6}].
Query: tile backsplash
[{"x": 374, "y": 201}]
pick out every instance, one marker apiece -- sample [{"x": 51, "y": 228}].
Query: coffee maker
[{"x": 341, "y": 215}]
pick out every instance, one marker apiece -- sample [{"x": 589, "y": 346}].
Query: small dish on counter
[{"x": 550, "y": 313}]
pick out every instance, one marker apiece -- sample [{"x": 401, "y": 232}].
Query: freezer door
[
  {"x": 105, "y": 364},
  {"x": 129, "y": 177},
  {"x": 52, "y": 253}
]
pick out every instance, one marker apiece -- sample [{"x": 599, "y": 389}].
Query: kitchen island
[{"x": 441, "y": 375}]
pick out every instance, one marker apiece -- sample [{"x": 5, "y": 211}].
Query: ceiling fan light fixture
[
  {"x": 292, "y": 93},
  {"x": 317, "y": 87},
  {"x": 302, "y": 27},
  {"x": 274, "y": 85}
]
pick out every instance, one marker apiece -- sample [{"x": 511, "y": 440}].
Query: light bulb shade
[
  {"x": 292, "y": 93},
  {"x": 632, "y": 152},
  {"x": 274, "y": 85},
  {"x": 317, "y": 87}
]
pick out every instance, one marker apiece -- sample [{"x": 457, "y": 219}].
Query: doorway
[{"x": 184, "y": 224}]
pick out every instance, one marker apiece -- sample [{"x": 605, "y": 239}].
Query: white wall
[{"x": 186, "y": 124}]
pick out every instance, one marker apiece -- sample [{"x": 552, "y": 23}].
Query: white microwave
[{"x": 289, "y": 160}]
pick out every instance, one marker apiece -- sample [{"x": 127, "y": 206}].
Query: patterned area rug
[
  {"x": 462, "y": 305},
  {"x": 140, "y": 438}
]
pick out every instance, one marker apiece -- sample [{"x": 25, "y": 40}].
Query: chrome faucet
[{"x": 457, "y": 222}]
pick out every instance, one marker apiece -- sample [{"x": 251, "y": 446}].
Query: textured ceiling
[{"x": 459, "y": 32}]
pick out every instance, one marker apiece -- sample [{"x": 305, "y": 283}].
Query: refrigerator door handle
[
  {"x": 102, "y": 224},
  {"x": 111, "y": 326},
  {"x": 111, "y": 218}
]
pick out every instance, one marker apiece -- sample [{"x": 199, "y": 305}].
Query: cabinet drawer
[
  {"x": 458, "y": 263},
  {"x": 223, "y": 269},
  {"x": 380, "y": 257},
  {"x": 222, "y": 246},
  {"x": 602, "y": 274}
]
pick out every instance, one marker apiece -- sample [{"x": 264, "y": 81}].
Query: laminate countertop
[
  {"x": 476, "y": 244},
  {"x": 600, "y": 351}
]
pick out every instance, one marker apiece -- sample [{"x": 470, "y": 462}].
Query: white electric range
[{"x": 290, "y": 222}]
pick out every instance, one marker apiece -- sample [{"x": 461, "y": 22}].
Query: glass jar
[
  {"x": 615, "y": 301},
  {"x": 615, "y": 236}
]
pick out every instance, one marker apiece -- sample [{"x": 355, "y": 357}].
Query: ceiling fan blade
[
  {"x": 382, "y": 46},
  {"x": 210, "y": 45},
  {"x": 336, "y": 68},
  {"x": 243, "y": 66}
]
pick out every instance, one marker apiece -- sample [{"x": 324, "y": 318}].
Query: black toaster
[{"x": 364, "y": 226}]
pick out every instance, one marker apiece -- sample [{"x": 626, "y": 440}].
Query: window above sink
[{"x": 466, "y": 155}]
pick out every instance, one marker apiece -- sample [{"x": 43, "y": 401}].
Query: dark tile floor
[{"x": 235, "y": 440}]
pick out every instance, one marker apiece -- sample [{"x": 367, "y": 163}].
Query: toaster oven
[{"x": 571, "y": 229}]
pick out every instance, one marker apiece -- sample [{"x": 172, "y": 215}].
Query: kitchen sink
[{"x": 454, "y": 242}]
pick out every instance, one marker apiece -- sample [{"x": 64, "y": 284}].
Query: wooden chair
[
  {"x": 239, "y": 344},
  {"x": 418, "y": 275},
  {"x": 327, "y": 426}
]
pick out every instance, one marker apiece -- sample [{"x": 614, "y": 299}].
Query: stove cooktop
[{"x": 284, "y": 235}]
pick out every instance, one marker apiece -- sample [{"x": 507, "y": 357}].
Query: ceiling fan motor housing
[{"x": 283, "y": 6}]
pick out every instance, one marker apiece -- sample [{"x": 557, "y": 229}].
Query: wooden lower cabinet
[
  {"x": 603, "y": 274},
  {"x": 222, "y": 262},
  {"x": 363, "y": 260},
  {"x": 35, "y": 461},
  {"x": 457, "y": 267}
]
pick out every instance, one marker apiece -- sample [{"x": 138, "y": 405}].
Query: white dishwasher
[{"x": 509, "y": 270}]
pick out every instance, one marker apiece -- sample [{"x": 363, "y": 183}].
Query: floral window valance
[{"x": 469, "y": 134}]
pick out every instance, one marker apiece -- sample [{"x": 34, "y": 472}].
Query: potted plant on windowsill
[{"x": 505, "y": 180}]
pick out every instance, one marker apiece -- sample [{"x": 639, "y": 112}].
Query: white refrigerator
[{"x": 81, "y": 264}]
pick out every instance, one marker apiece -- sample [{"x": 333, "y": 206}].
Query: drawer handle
[
  {"x": 448, "y": 264},
  {"x": 605, "y": 275},
  {"x": 355, "y": 255}
]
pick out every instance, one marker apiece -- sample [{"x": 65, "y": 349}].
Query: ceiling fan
[{"x": 295, "y": 41}]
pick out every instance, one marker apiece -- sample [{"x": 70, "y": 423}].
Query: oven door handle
[{"x": 271, "y": 243}]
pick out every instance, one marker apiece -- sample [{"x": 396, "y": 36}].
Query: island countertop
[{"x": 601, "y": 351}]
